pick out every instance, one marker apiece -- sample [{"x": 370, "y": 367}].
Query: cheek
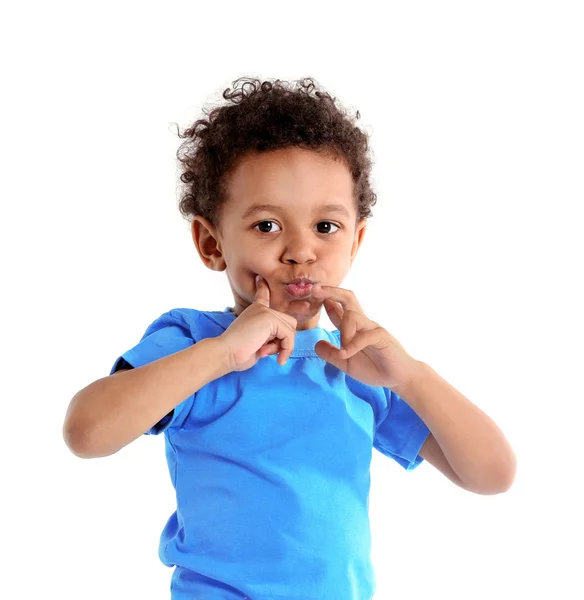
[{"x": 244, "y": 266}]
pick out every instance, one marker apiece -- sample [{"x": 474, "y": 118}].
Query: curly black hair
[{"x": 260, "y": 117}]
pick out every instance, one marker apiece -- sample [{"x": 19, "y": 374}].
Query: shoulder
[
  {"x": 186, "y": 319},
  {"x": 198, "y": 324}
]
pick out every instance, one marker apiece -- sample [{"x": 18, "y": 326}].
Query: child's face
[{"x": 297, "y": 238}]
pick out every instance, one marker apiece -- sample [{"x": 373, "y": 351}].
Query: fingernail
[{"x": 258, "y": 279}]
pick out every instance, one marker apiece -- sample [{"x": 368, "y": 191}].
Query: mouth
[
  {"x": 300, "y": 288},
  {"x": 301, "y": 281}
]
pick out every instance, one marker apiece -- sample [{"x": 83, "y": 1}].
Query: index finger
[
  {"x": 346, "y": 298},
  {"x": 262, "y": 294}
]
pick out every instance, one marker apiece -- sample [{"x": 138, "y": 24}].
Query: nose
[{"x": 298, "y": 248}]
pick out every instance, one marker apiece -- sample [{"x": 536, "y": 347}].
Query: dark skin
[
  {"x": 294, "y": 239},
  {"x": 299, "y": 237}
]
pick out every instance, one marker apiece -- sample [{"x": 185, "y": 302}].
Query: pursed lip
[
  {"x": 300, "y": 281},
  {"x": 300, "y": 288}
]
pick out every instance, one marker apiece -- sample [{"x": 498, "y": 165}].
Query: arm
[
  {"x": 464, "y": 443},
  {"x": 113, "y": 411}
]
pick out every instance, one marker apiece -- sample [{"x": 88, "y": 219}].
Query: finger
[
  {"x": 331, "y": 354},
  {"x": 287, "y": 346},
  {"x": 262, "y": 294},
  {"x": 268, "y": 349},
  {"x": 350, "y": 324},
  {"x": 290, "y": 322},
  {"x": 287, "y": 336},
  {"x": 346, "y": 298},
  {"x": 334, "y": 311},
  {"x": 360, "y": 341}
]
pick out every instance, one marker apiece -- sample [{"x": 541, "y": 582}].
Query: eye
[
  {"x": 263, "y": 223},
  {"x": 328, "y": 223}
]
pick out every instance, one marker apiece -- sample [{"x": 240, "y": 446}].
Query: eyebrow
[{"x": 255, "y": 208}]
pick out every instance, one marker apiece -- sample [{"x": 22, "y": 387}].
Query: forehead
[{"x": 292, "y": 178}]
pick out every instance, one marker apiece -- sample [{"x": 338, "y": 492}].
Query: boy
[{"x": 269, "y": 419}]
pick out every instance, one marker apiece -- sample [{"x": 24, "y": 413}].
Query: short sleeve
[
  {"x": 401, "y": 434},
  {"x": 168, "y": 334}
]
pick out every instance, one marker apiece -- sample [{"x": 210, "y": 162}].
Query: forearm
[
  {"x": 113, "y": 411},
  {"x": 473, "y": 444}
]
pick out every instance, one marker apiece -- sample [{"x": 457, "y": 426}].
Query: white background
[{"x": 473, "y": 260}]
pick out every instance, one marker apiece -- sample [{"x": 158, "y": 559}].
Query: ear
[
  {"x": 208, "y": 243},
  {"x": 359, "y": 235}
]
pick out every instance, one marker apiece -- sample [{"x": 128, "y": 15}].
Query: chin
[{"x": 306, "y": 307}]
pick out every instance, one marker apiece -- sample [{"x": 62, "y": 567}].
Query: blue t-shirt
[{"x": 271, "y": 470}]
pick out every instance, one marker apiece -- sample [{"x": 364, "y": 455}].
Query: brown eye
[
  {"x": 327, "y": 229},
  {"x": 263, "y": 224}
]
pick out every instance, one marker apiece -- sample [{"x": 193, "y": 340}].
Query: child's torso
[{"x": 271, "y": 469}]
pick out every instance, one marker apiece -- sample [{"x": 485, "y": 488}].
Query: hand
[
  {"x": 258, "y": 332},
  {"x": 368, "y": 352}
]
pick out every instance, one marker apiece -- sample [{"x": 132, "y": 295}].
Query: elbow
[
  {"x": 73, "y": 434},
  {"x": 507, "y": 476},
  {"x": 76, "y": 434},
  {"x": 79, "y": 443},
  {"x": 75, "y": 439},
  {"x": 500, "y": 479},
  {"x": 84, "y": 443},
  {"x": 499, "y": 486},
  {"x": 507, "y": 472}
]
